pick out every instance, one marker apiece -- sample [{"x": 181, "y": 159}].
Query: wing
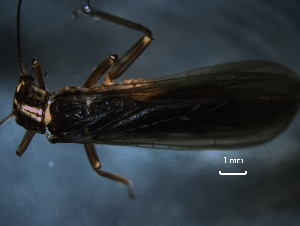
[{"x": 224, "y": 106}]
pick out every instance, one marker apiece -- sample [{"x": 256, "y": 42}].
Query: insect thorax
[{"x": 29, "y": 105}]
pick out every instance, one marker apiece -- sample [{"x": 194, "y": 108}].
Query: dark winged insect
[{"x": 225, "y": 106}]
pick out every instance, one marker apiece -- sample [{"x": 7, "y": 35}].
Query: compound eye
[{"x": 55, "y": 108}]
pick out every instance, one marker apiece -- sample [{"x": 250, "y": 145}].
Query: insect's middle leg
[
  {"x": 99, "y": 71},
  {"x": 90, "y": 148},
  {"x": 127, "y": 59},
  {"x": 95, "y": 162}
]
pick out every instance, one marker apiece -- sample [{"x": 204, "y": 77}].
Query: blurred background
[{"x": 55, "y": 185}]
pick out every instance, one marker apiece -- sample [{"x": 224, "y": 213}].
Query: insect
[{"x": 224, "y": 106}]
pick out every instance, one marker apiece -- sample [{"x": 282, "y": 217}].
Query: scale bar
[{"x": 234, "y": 174}]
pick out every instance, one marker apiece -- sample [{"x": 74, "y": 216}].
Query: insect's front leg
[
  {"x": 25, "y": 142},
  {"x": 38, "y": 72},
  {"x": 132, "y": 54},
  {"x": 33, "y": 109}
]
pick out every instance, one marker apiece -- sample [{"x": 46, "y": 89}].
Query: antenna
[
  {"x": 23, "y": 71},
  {"x": 6, "y": 118}
]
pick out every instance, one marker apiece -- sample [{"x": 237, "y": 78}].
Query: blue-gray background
[{"x": 55, "y": 185}]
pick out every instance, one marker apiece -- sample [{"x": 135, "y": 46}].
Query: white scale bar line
[{"x": 237, "y": 174}]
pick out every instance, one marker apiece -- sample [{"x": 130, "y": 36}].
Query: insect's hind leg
[
  {"x": 90, "y": 148},
  {"x": 132, "y": 54}
]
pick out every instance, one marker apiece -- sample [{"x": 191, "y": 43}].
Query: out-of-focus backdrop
[{"x": 55, "y": 185}]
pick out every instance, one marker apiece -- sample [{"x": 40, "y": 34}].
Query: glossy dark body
[{"x": 224, "y": 106}]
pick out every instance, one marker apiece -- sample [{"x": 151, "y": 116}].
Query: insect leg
[
  {"x": 38, "y": 72},
  {"x": 25, "y": 142},
  {"x": 99, "y": 71},
  {"x": 29, "y": 135},
  {"x": 90, "y": 148},
  {"x": 132, "y": 54},
  {"x": 95, "y": 162},
  {"x": 127, "y": 59},
  {"x": 7, "y": 118}
]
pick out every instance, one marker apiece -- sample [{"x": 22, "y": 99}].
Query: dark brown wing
[{"x": 224, "y": 106}]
